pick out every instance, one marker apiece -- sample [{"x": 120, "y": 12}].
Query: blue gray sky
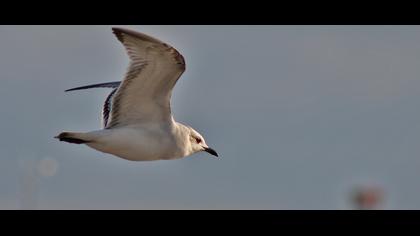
[{"x": 300, "y": 115}]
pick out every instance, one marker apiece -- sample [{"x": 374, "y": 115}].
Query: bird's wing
[
  {"x": 144, "y": 94},
  {"x": 102, "y": 85},
  {"x": 107, "y": 108},
  {"x": 107, "y": 105}
]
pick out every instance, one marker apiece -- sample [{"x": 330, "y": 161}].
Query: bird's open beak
[{"x": 211, "y": 151}]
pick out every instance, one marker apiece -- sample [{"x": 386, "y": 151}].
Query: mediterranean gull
[{"x": 137, "y": 120}]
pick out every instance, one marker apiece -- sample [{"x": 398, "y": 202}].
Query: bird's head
[{"x": 198, "y": 144}]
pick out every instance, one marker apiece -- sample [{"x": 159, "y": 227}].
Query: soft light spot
[{"x": 47, "y": 167}]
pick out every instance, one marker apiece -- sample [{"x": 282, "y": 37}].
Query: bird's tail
[{"x": 72, "y": 137}]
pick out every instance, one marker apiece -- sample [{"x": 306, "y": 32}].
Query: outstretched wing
[
  {"x": 144, "y": 94},
  {"x": 107, "y": 105},
  {"x": 102, "y": 85}
]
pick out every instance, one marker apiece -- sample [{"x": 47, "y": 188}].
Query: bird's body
[
  {"x": 137, "y": 119},
  {"x": 139, "y": 142}
]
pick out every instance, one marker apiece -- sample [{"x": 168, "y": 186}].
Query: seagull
[{"x": 137, "y": 121}]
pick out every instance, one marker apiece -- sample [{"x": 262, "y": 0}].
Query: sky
[{"x": 300, "y": 116}]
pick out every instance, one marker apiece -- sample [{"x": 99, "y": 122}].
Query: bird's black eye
[{"x": 198, "y": 140}]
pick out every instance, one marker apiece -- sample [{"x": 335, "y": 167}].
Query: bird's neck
[{"x": 182, "y": 137}]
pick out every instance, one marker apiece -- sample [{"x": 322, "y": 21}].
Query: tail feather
[{"x": 71, "y": 137}]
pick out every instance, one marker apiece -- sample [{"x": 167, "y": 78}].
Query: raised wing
[{"x": 144, "y": 94}]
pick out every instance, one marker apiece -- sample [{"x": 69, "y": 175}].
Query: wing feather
[
  {"x": 107, "y": 108},
  {"x": 101, "y": 85},
  {"x": 144, "y": 94}
]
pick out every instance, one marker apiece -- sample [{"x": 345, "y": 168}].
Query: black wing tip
[
  {"x": 117, "y": 29},
  {"x": 114, "y": 84},
  {"x": 74, "y": 89},
  {"x": 119, "y": 33}
]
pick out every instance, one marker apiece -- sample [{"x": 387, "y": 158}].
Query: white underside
[{"x": 137, "y": 143}]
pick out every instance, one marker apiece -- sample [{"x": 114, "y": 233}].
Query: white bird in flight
[{"x": 137, "y": 120}]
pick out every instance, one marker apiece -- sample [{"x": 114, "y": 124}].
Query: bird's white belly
[{"x": 136, "y": 144}]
